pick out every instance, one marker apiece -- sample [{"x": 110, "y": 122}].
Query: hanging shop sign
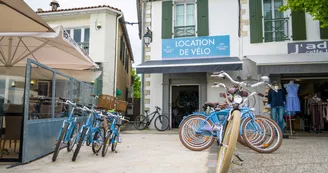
[
  {"x": 308, "y": 47},
  {"x": 196, "y": 47}
]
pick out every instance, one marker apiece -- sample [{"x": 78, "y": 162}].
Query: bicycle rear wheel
[
  {"x": 98, "y": 140},
  {"x": 107, "y": 143},
  {"x": 72, "y": 141},
  {"x": 229, "y": 143},
  {"x": 140, "y": 123},
  {"x": 57, "y": 149},
  {"x": 162, "y": 123}
]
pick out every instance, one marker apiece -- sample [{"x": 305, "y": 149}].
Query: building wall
[
  {"x": 101, "y": 45},
  {"x": 312, "y": 34},
  {"x": 123, "y": 76}
]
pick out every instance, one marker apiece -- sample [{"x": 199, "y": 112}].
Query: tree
[
  {"x": 317, "y": 8},
  {"x": 136, "y": 84}
]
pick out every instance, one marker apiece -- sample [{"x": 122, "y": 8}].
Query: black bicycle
[{"x": 161, "y": 121}]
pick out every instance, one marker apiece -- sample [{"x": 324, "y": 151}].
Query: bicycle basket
[
  {"x": 106, "y": 102},
  {"x": 121, "y": 106}
]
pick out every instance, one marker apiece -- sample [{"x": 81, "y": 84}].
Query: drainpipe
[
  {"x": 142, "y": 95},
  {"x": 116, "y": 54}
]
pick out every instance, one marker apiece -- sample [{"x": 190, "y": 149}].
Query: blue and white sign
[{"x": 209, "y": 46}]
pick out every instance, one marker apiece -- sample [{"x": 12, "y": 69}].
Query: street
[{"x": 156, "y": 152}]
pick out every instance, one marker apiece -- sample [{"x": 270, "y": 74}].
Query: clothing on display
[
  {"x": 292, "y": 100},
  {"x": 277, "y": 99}
]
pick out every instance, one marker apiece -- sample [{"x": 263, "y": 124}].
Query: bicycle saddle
[{"x": 212, "y": 104}]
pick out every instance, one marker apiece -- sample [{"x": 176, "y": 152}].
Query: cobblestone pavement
[
  {"x": 301, "y": 154},
  {"x": 138, "y": 153}
]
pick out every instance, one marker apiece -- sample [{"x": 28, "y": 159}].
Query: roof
[
  {"x": 78, "y": 8},
  {"x": 122, "y": 21}
]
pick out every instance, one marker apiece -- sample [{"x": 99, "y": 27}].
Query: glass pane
[
  {"x": 62, "y": 93},
  {"x": 277, "y": 5},
  {"x": 86, "y": 34},
  {"x": 40, "y": 94},
  {"x": 190, "y": 14},
  {"x": 11, "y": 113},
  {"x": 77, "y": 35},
  {"x": 77, "y": 93},
  {"x": 87, "y": 91},
  {"x": 179, "y": 12},
  {"x": 267, "y": 9}
]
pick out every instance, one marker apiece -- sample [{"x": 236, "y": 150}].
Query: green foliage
[
  {"x": 317, "y": 8},
  {"x": 136, "y": 84}
]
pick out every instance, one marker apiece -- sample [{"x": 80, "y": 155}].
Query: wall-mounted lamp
[
  {"x": 98, "y": 25},
  {"x": 13, "y": 84},
  {"x": 92, "y": 82},
  {"x": 148, "y": 37},
  {"x": 32, "y": 82}
]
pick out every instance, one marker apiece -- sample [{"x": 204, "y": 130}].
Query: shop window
[{"x": 275, "y": 22}]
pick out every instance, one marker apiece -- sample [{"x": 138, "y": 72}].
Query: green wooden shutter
[
  {"x": 202, "y": 18},
  {"x": 324, "y": 32},
  {"x": 255, "y": 16},
  {"x": 299, "y": 25},
  {"x": 166, "y": 19}
]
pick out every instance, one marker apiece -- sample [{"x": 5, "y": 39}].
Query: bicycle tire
[
  {"x": 193, "y": 147},
  {"x": 106, "y": 144},
  {"x": 71, "y": 143},
  {"x": 78, "y": 147},
  {"x": 61, "y": 136},
  {"x": 137, "y": 120},
  {"x": 114, "y": 144},
  {"x": 276, "y": 147},
  {"x": 241, "y": 139},
  {"x": 96, "y": 137},
  {"x": 165, "y": 126},
  {"x": 224, "y": 159}
]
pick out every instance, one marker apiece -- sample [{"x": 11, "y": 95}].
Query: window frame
[
  {"x": 185, "y": 17},
  {"x": 274, "y": 20}
]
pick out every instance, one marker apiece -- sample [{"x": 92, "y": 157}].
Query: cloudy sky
[{"x": 127, "y": 6}]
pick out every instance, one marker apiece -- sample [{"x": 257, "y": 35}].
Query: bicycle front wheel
[
  {"x": 79, "y": 144},
  {"x": 60, "y": 139},
  {"x": 229, "y": 143},
  {"x": 162, "y": 123}
]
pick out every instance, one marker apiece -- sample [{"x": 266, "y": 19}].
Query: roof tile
[{"x": 78, "y": 8}]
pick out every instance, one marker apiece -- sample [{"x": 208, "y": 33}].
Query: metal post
[
  {"x": 53, "y": 94},
  {"x": 71, "y": 81},
  {"x": 23, "y": 149},
  {"x": 142, "y": 95}
]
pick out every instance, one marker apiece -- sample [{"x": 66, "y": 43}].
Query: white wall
[
  {"x": 102, "y": 41},
  {"x": 312, "y": 32}
]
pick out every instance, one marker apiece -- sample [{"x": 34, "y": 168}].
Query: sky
[{"x": 127, "y": 6}]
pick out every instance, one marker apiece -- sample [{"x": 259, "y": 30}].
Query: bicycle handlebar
[{"x": 69, "y": 102}]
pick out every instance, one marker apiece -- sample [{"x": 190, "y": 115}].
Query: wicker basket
[
  {"x": 106, "y": 102},
  {"x": 121, "y": 106}
]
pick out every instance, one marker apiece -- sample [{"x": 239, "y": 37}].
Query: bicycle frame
[
  {"x": 71, "y": 122},
  {"x": 91, "y": 130},
  {"x": 153, "y": 114}
]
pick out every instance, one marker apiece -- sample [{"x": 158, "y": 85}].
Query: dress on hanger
[{"x": 292, "y": 100}]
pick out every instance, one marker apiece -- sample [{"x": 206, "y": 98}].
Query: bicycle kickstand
[{"x": 239, "y": 161}]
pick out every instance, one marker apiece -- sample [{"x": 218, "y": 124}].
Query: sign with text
[
  {"x": 308, "y": 47},
  {"x": 209, "y": 46}
]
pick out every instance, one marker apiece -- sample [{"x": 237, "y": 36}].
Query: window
[
  {"x": 81, "y": 36},
  {"x": 122, "y": 49},
  {"x": 185, "y": 20},
  {"x": 275, "y": 23},
  {"x": 126, "y": 61},
  {"x": 77, "y": 35}
]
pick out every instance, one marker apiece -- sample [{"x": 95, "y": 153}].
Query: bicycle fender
[{"x": 194, "y": 114}]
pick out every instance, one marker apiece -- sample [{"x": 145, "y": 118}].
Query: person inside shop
[{"x": 277, "y": 100}]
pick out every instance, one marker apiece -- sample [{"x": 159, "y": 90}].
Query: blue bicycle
[
  {"x": 68, "y": 132},
  {"x": 91, "y": 132}
]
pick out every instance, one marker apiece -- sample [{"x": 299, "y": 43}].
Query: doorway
[{"x": 185, "y": 100}]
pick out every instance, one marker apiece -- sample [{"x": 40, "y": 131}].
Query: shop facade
[
  {"x": 190, "y": 40},
  {"x": 289, "y": 47}
]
